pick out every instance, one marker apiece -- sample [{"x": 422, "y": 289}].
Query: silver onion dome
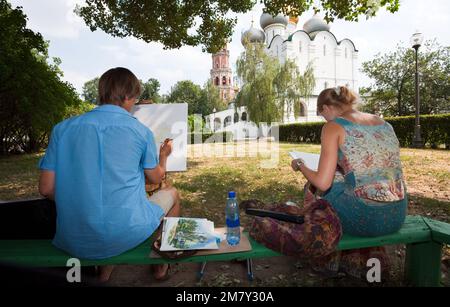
[
  {"x": 253, "y": 35},
  {"x": 266, "y": 20},
  {"x": 315, "y": 25}
]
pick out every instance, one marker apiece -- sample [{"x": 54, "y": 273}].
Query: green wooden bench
[{"x": 423, "y": 237}]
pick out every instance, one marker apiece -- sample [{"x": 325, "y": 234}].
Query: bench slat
[
  {"x": 41, "y": 253},
  {"x": 440, "y": 231},
  {"x": 414, "y": 230}
]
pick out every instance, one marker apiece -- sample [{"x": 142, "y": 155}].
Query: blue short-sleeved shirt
[{"x": 99, "y": 160}]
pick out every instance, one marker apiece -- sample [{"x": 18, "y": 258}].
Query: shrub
[
  {"x": 301, "y": 132},
  {"x": 210, "y": 137},
  {"x": 435, "y": 130}
]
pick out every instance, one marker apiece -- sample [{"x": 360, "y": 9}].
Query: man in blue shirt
[{"x": 95, "y": 168}]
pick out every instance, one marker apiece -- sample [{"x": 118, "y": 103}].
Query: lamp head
[{"x": 416, "y": 40}]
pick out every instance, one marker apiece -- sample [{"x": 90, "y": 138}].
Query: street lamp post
[{"x": 416, "y": 41}]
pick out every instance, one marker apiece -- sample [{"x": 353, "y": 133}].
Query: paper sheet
[
  {"x": 181, "y": 233},
  {"x": 167, "y": 121},
  {"x": 311, "y": 160}
]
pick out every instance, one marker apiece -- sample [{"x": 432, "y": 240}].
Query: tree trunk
[{"x": 399, "y": 98}]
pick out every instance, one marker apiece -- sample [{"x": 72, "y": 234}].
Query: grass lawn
[{"x": 211, "y": 175}]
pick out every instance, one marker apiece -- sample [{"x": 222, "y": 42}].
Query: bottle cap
[{"x": 231, "y": 194}]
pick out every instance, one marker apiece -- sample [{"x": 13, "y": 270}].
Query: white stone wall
[
  {"x": 299, "y": 47},
  {"x": 272, "y": 30},
  {"x": 310, "y": 114},
  {"x": 334, "y": 63},
  {"x": 222, "y": 115}
]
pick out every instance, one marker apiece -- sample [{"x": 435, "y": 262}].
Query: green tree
[
  {"x": 210, "y": 99},
  {"x": 270, "y": 88},
  {"x": 150, "y": 90},
  {"x": 393, "y": 89},
  {"x": 164, "y": 98},
  {"x": 90, "y": 91},
  {"x": 78, "y": 109},
  {"x": 205, "y": 22},
  {"x": 33, "y": 98},
  {"x": 187, "y": 92},
  {"x": 195, "y": 123}
]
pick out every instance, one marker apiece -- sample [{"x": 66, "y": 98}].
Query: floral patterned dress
[{"x": 368, "y": 191}]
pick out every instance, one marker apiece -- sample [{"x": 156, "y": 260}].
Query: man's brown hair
[{"x": 116, "y": 85}]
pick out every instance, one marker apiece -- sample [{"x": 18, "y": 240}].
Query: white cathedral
[{"x": 334, "y": 62}]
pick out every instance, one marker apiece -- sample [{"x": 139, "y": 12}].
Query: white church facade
[{"x": 334, "y": 61}]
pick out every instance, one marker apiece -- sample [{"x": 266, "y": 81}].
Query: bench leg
[
  {"x": 423, "y": 264},
  {"x": 202, "y": 271},
  {"x": 250, "y": 269}
]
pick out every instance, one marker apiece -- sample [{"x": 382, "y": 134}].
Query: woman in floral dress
[{"x": 359, "y": 174}]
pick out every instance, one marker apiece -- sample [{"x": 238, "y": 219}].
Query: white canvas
[{"x": 167, "y": 121}]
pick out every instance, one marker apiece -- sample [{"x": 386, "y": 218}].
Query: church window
[
  {"x": 324, "y": 50},
  {"x": 217, "y": 124},
  {"x": 345, "y": 51},
  {"x": 227, "y": 121},
  {"x": 217, "y": 81},
  {"x": 300, "y": 47},
  {"x": 224, "y": 80}
]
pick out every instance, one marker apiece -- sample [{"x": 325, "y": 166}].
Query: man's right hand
[{"x": 166, "y": 148}]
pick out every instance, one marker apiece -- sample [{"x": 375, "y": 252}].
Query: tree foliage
[
  {"x": 392, "y": 91},
  {"x": 199, "y": 100},
  {"x": 33, "y": 98},
  {"x": 150, "y": 90},
  {"x": 270, "y": 89},
  {"x": 188, "y": 92},
  {"x": 210, "y": 99},
  {"x": 208, "y": 23},
  {"x": 90, "y": 91}
]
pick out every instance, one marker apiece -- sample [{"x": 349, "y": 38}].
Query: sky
[{"x": 86, "y": 54}]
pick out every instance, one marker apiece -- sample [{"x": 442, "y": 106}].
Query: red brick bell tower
[{"x": 221, "y": 74}]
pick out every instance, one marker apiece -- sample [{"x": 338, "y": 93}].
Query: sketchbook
[
  {"x": 180, "y": 233},
  {"x": 311, "y": 160}
]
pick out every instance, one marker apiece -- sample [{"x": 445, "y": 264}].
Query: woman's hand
[
  {"x": 166, "y": 148},
  {"x": 331, "y": 135},
  {"x": 295, "y": 164}
]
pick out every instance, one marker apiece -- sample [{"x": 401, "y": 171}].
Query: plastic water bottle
[{"x": 232, "y": 220}]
